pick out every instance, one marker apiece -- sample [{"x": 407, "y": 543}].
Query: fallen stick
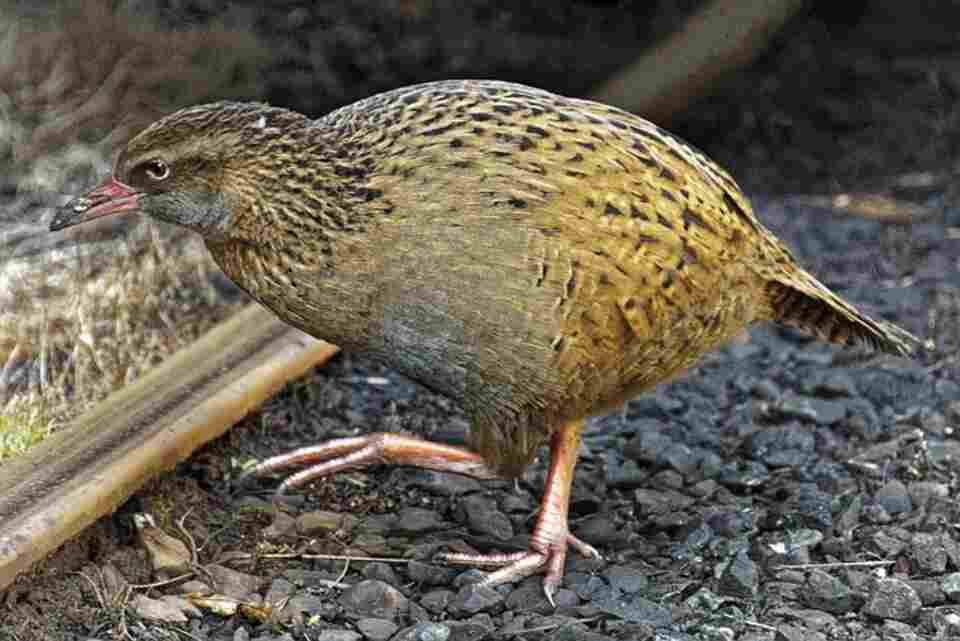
[{"x": 722, "y": 37}]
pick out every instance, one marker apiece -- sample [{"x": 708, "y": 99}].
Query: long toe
[
  {"x": 340, "y": 454},
  {"x": 548, "y": 559}
]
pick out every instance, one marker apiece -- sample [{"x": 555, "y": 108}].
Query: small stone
[
  {"x": 783, "y": 446},
  {"x": 424, "y": 632},
  {"x": 831, "y": 384},
  {"x": 600, "y": 530},
  {"x": 787, "y": 632},
  {"x": 791, "y": 407},
  {"x": 338, "y": 634},
  {"x": 892, "y": 599},
  {"x": 952, "y": 548},
  {"x": 876, "y": 513},
  {"x": 730, "y": 523},
  {"x": 376, "y": 599},
  {"x": 827, "y": 412},
  {"x": 649, "y": 445},
  {"x": 849, "y": 517},
  {"x": 704, "y": 489},
  {"x": 947, "y": 623},
  {"x": 279, "y": 590},
  {"x": 929, "y": 591},
  {"x": 635, "y": 609},
  {"x": 529, "y": 597},
  {"x": 483, "y": 517},
  {"x": 415, "y": 520},
  {"x": 743, "y": 474},
  {"x": 436, "y": 601},
  {"x": 157, "y": 609},
  {"x": 585, "y": 585},
  {"x": 814, "y": 507},
  {"x": 667, "y": 478},
  {"x": 193, "y": 587},
  {"x": 381, "y": 572},
  {"x": 885, "y": 544},
  {"x": 815, "y": 619},
  {"x": 474, "y": 598},
  {"x": 283, "y": 525},
  {"x": 626, "y": 579},
  {"x": 429, "y": 574},
  {"x": 234, "y": 584},
  {"x": 826, "y": 592},
  {"x": 477, "y": 628},
  {"x": 321, "y": 522},
  {"x": 765, "y": 390},
  {"x": 442, "y": 483},
  {"x": 927, "y": 553},
  {"x": 299, "y": 607},
  {"x": 950, "y": 584},
  {"x": 922, "y": 491},
  {"x": 894, "y": 498},
  {"x": 626, "y": 475},
  {"x": 740, "y": 577},
  {"x": 899, "y": 631},
  {"x": 376, "y": 629}
]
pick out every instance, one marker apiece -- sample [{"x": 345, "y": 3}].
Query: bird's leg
[
  {"x": 551, "y": 534},
  {"x": 374, "y": 449}
]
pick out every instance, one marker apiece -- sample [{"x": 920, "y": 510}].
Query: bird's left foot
[{"x": 548, "y": 551}]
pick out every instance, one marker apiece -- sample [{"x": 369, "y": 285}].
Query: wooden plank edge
[{"x": 92, "y": 466}]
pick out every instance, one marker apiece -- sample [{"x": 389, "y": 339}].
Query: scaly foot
[{"x": 551, "y": 536}]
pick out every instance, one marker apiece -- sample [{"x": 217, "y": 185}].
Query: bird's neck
[{"x": 298, "y": 241}]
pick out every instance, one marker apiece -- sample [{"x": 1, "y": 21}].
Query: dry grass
[{"x": 80, "y": 318}]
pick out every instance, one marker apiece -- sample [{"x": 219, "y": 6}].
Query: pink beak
[{"x": 111, "y": 197}]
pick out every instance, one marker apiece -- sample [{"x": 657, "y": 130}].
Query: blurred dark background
[
  {"x": 842, "y": 93},
  {"x": 845, "y": 92}
]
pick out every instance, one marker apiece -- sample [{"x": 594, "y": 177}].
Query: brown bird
[{"x": 538, "y": 259}]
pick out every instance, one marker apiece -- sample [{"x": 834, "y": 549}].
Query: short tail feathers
[{"x": 803, "y": 302}]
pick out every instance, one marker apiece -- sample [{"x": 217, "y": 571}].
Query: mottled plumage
[{"x": 536, "y": 258}]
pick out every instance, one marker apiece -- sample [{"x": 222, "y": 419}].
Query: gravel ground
[{"x": 775, "y": 451}]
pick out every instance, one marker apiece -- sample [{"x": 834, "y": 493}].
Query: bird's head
[{"x": 191, "y": 168}]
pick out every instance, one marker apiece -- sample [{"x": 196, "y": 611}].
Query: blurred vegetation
[
  {"x": 91, "y": 74},
  {"x": 21, "y": 428},
  {"x": 82, "y": 314}
]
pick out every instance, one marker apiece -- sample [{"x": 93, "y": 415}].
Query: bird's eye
[{"x": 156, "y": 170}]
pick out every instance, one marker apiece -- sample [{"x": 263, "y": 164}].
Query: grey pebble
[
  {"x": 482, "y": 516},
  {"x": 950, "y": 584},
  {"x": 894, "y": 498},
  {"x": 892, "y": 599},
  {"x": 376, "y": 629},
  {"x": 424, "y": 632},
  {"x": 372, "y": 598},
  {"x": 826, "y": 592},
  {"x": 473, "y": 598}
]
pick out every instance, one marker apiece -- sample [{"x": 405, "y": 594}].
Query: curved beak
[{"x": 111, "y": 197}]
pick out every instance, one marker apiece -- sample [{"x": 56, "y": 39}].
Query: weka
[{"x": 538, "y": 259}]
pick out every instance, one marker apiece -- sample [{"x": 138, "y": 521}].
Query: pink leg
[
  {"x": 378, "y": 448},
  {"x": 551, "y": 534}
]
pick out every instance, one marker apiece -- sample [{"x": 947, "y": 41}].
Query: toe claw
[{"x": 549, "y": 590}]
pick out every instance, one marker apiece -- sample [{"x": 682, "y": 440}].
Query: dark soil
[{"x": 774, "y": 451}]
